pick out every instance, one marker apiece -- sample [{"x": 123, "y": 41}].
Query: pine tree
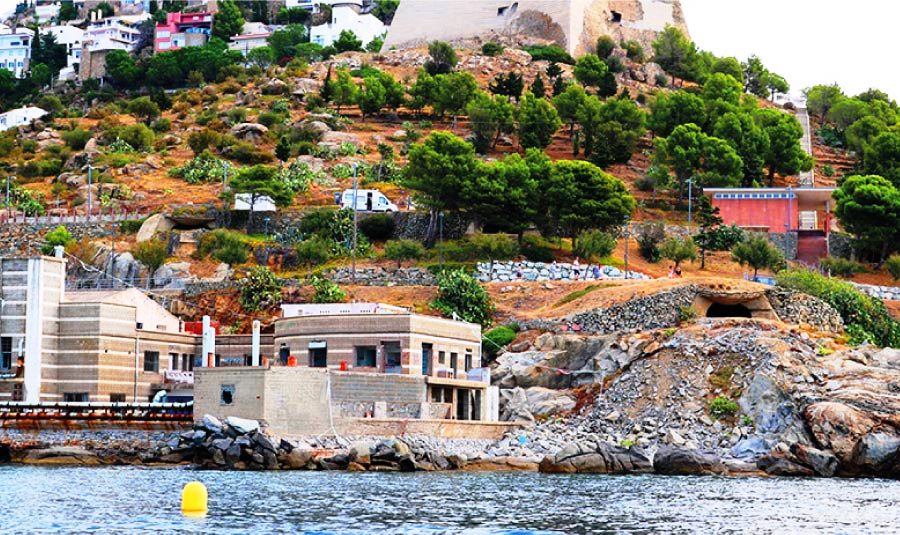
[{"x": 537, "y": 87}]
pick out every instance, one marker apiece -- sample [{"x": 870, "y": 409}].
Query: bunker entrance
[{"x": 718, "y": 310}]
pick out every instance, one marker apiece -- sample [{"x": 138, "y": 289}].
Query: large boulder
[
  {"x": 514, "y": 406},
  {"x": 61, "y": 455},
  {"x": 878, "y": 454},
  {"x": 242, "y": 425},
  {"x": 839, "y": 428},
  {"x": 252, "y": 132},
  {"x": 153, "y": 226},
  {"x": 778, "y": 465},
  {"x": 173, "y": 275},
  {"x": 600, "y": 458},
  {"x": 546, "y": 402},
  {"x": 772, "y": 410},
  {"x": 680, "y": 461},
  {"x": 306, "y": 86},
  {"x": 823, "y": 463}
]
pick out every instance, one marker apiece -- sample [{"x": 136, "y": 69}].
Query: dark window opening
[
  {"x": 393, "y": 362},
  {"x": 615, "y": 16},
  {"x": 117, "y": 398},
  {"x": 318, "y": 357},
  {"x": 173, "y": 361},
  {"x": 284, "y": 352},
  {"x": 454, "y": 363},
  {"x": 6, "y": 346},
  {"x": 468, "y": 361},
  {"x": 73, "y": 397},
  {"x": 151, "y": 361},
  {"x": 365, "y": 356},
  {"x": 718, "y": 310},
  {"x": 226, "y": 396}
]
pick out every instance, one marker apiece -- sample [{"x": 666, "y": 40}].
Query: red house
[
  {"x": 804, "y": 211},
  {"x": 183, "y": 29}
]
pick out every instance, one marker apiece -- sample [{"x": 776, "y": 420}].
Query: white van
[{"x": 369, "y": 200}]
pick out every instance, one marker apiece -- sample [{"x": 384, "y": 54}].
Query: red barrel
[
  {"x": 292, "y": 361},
  {"x": 344, "y": 366}
]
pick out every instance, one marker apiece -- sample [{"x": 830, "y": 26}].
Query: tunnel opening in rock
[
  {"x": 719, "y": 310},
  {"x": 615, "y": 16}
]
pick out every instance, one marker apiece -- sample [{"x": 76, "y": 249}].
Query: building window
[
  {"x": 75, "y": 397},
  {"x": 442, "y": 357},
  {"x": 468, "y": 362},
  {"x": 393, "y": 363},
  {"x": 151, "y": 361},
  {"x": 454, "y": 363},
  {"x": 226, "y": 395},
  {"x": 117, "y": 398},
  {"x": 6, "y": 346},
  {"x": 365, "y": 356},
  {"x": 173, "y": 361}
]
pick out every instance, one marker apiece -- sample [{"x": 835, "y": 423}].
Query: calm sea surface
[{"x": 133, "y": 500}]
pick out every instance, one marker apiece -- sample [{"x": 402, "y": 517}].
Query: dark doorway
[
  {"x": 615, "y": 16},
  {"x": 318, "y": 357},
  {"x": 718, "y": 310}
]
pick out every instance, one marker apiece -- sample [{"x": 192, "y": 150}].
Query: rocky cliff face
[{"x": 718, "y": 395}]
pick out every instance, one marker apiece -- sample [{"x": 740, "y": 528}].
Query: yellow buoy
[{"x": 194, "y": 498}]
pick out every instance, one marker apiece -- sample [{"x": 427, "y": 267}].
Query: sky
[{"x": 854, "y": 43}]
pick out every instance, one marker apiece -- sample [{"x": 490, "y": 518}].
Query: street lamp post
[
  {"x": 355, "y": 217},
  {"x": 90, "y": 199},
  {"x": 626, "y": 246},
  {"x": 8, "y": 205}
]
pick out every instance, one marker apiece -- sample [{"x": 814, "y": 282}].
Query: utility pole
[
  {"x": 626, "y": 246},
  {"x": 90, "y": 198},
  {"x": 355, "y": 207},
  {"x": 8, "y": 206},
  {"x": 224, "y": 176},
  {"x": 690, "y": 183}
]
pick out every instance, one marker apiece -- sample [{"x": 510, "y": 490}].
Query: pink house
[{"x": 183, "y": 29}]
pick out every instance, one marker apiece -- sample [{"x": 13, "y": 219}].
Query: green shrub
[
  {"x": 327, "y": 291},
  {"x": 493, "y": 246},
  {"x": 535, "y": 249},
  {"x": 605, "y": 46},
  {"x": 130, "y": 226},
  {"x": 161, "y": 125},
  {"x": 378, "y": 227},
  {"x": 248, "y": 153},
  {"x": 203, "y": 168},
  {"x": 551, "y": 53},
  {"x": 401, "y": 250},
  {"x": 634, "y": 50},
  {"x": 314, "y": 251},
  {"x": 722, "y": 407},
  {"x": 495, "y": 339},
  {"x": 866, "y": 318},
  {"x": 299, "y": 175},
  {"x": 661, "y": 80},
  {"x": 649, "y": 237},
  {"x": 260, "y": 289},
  {"x": 151, "y": 253},
  {"x": 224, "y": 245},
  {"x": 138, "y": 136},
  {"x": 491, "y": 49},
  {"x": 58, "y": 236},
  {"x": 678, "y": 250},
  {"x": 269, "y": 119},
  {"x": 76, "y": 138},
  {"x": 203, "y": 139},
  {"x": 460, "y": 294},
  {"x": 828, "y": 170},
  {"x": 893, "y": 266},
  {"x": 831, "y": 136},
  {"x": 841, "y": 267},
  {"x": 594, "y": 244},
  {"x": 687, "y": 313}
]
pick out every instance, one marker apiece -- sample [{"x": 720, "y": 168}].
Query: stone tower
[{"x": 573, "y": 24}]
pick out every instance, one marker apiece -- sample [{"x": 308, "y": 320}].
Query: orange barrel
[{"x": 292, "y": 361}]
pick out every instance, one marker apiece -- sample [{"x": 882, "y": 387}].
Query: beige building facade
[{"x": 572, "y": 24}]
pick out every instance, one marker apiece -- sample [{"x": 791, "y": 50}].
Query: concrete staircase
[
  {"x": 812, "y": 246},
  {"x": 807, "y": 179}
]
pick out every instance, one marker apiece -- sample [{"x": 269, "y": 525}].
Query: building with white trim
[
  {"x": 20, "y": 116},
  {"x": 349, "y": 15},
  {"x": 15, "y": 49}
]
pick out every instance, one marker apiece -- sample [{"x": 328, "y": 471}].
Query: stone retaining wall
[
  {"x": 802, "y": 309},
  {"x": 541, "y": 271},
  {"x": 885, "y": 293}
]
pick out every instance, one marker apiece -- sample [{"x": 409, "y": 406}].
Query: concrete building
[
  {"x": 572, "y": 24},
  {"x": 20, "y": 116},
  {"x": 801, "y": 215},
  {"x": 254, "y": 35},
  {"x": 72, "y": 37},
  {"x": 338, "y": 365},
  {"x": 15, "y": 49},
  {"x": 349, "y": 15},
  {"x": 122, "y": 32},
  {"x": 45, "y": 11},
  {"x": 183, "y": 29}
]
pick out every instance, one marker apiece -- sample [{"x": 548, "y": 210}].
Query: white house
[
  {"x": 20, "y": 116},
  {"x": 124, "y": 30},
  {"x": 15, "y": 49},
  {"x": 73, "y": 38},
  {"x": 253, "y": 35},
  {"x": 45, "y": 12},
  {"x": 348, "y": 15}
]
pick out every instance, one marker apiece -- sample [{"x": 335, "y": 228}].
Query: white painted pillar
[
  {"x": 34, "y": 331},
  {"x": 209, "y": 342},
  {"x": 254, "y": 351}
]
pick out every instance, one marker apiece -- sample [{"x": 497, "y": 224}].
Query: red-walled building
[
  {"x": 804, "y": 211},
  {"x": 183, "y": 29}
]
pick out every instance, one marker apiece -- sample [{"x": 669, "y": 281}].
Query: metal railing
[{"x": 136, "y": 411}]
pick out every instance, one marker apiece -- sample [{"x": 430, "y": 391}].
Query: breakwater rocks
[{"x": 543, "y": 271}]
